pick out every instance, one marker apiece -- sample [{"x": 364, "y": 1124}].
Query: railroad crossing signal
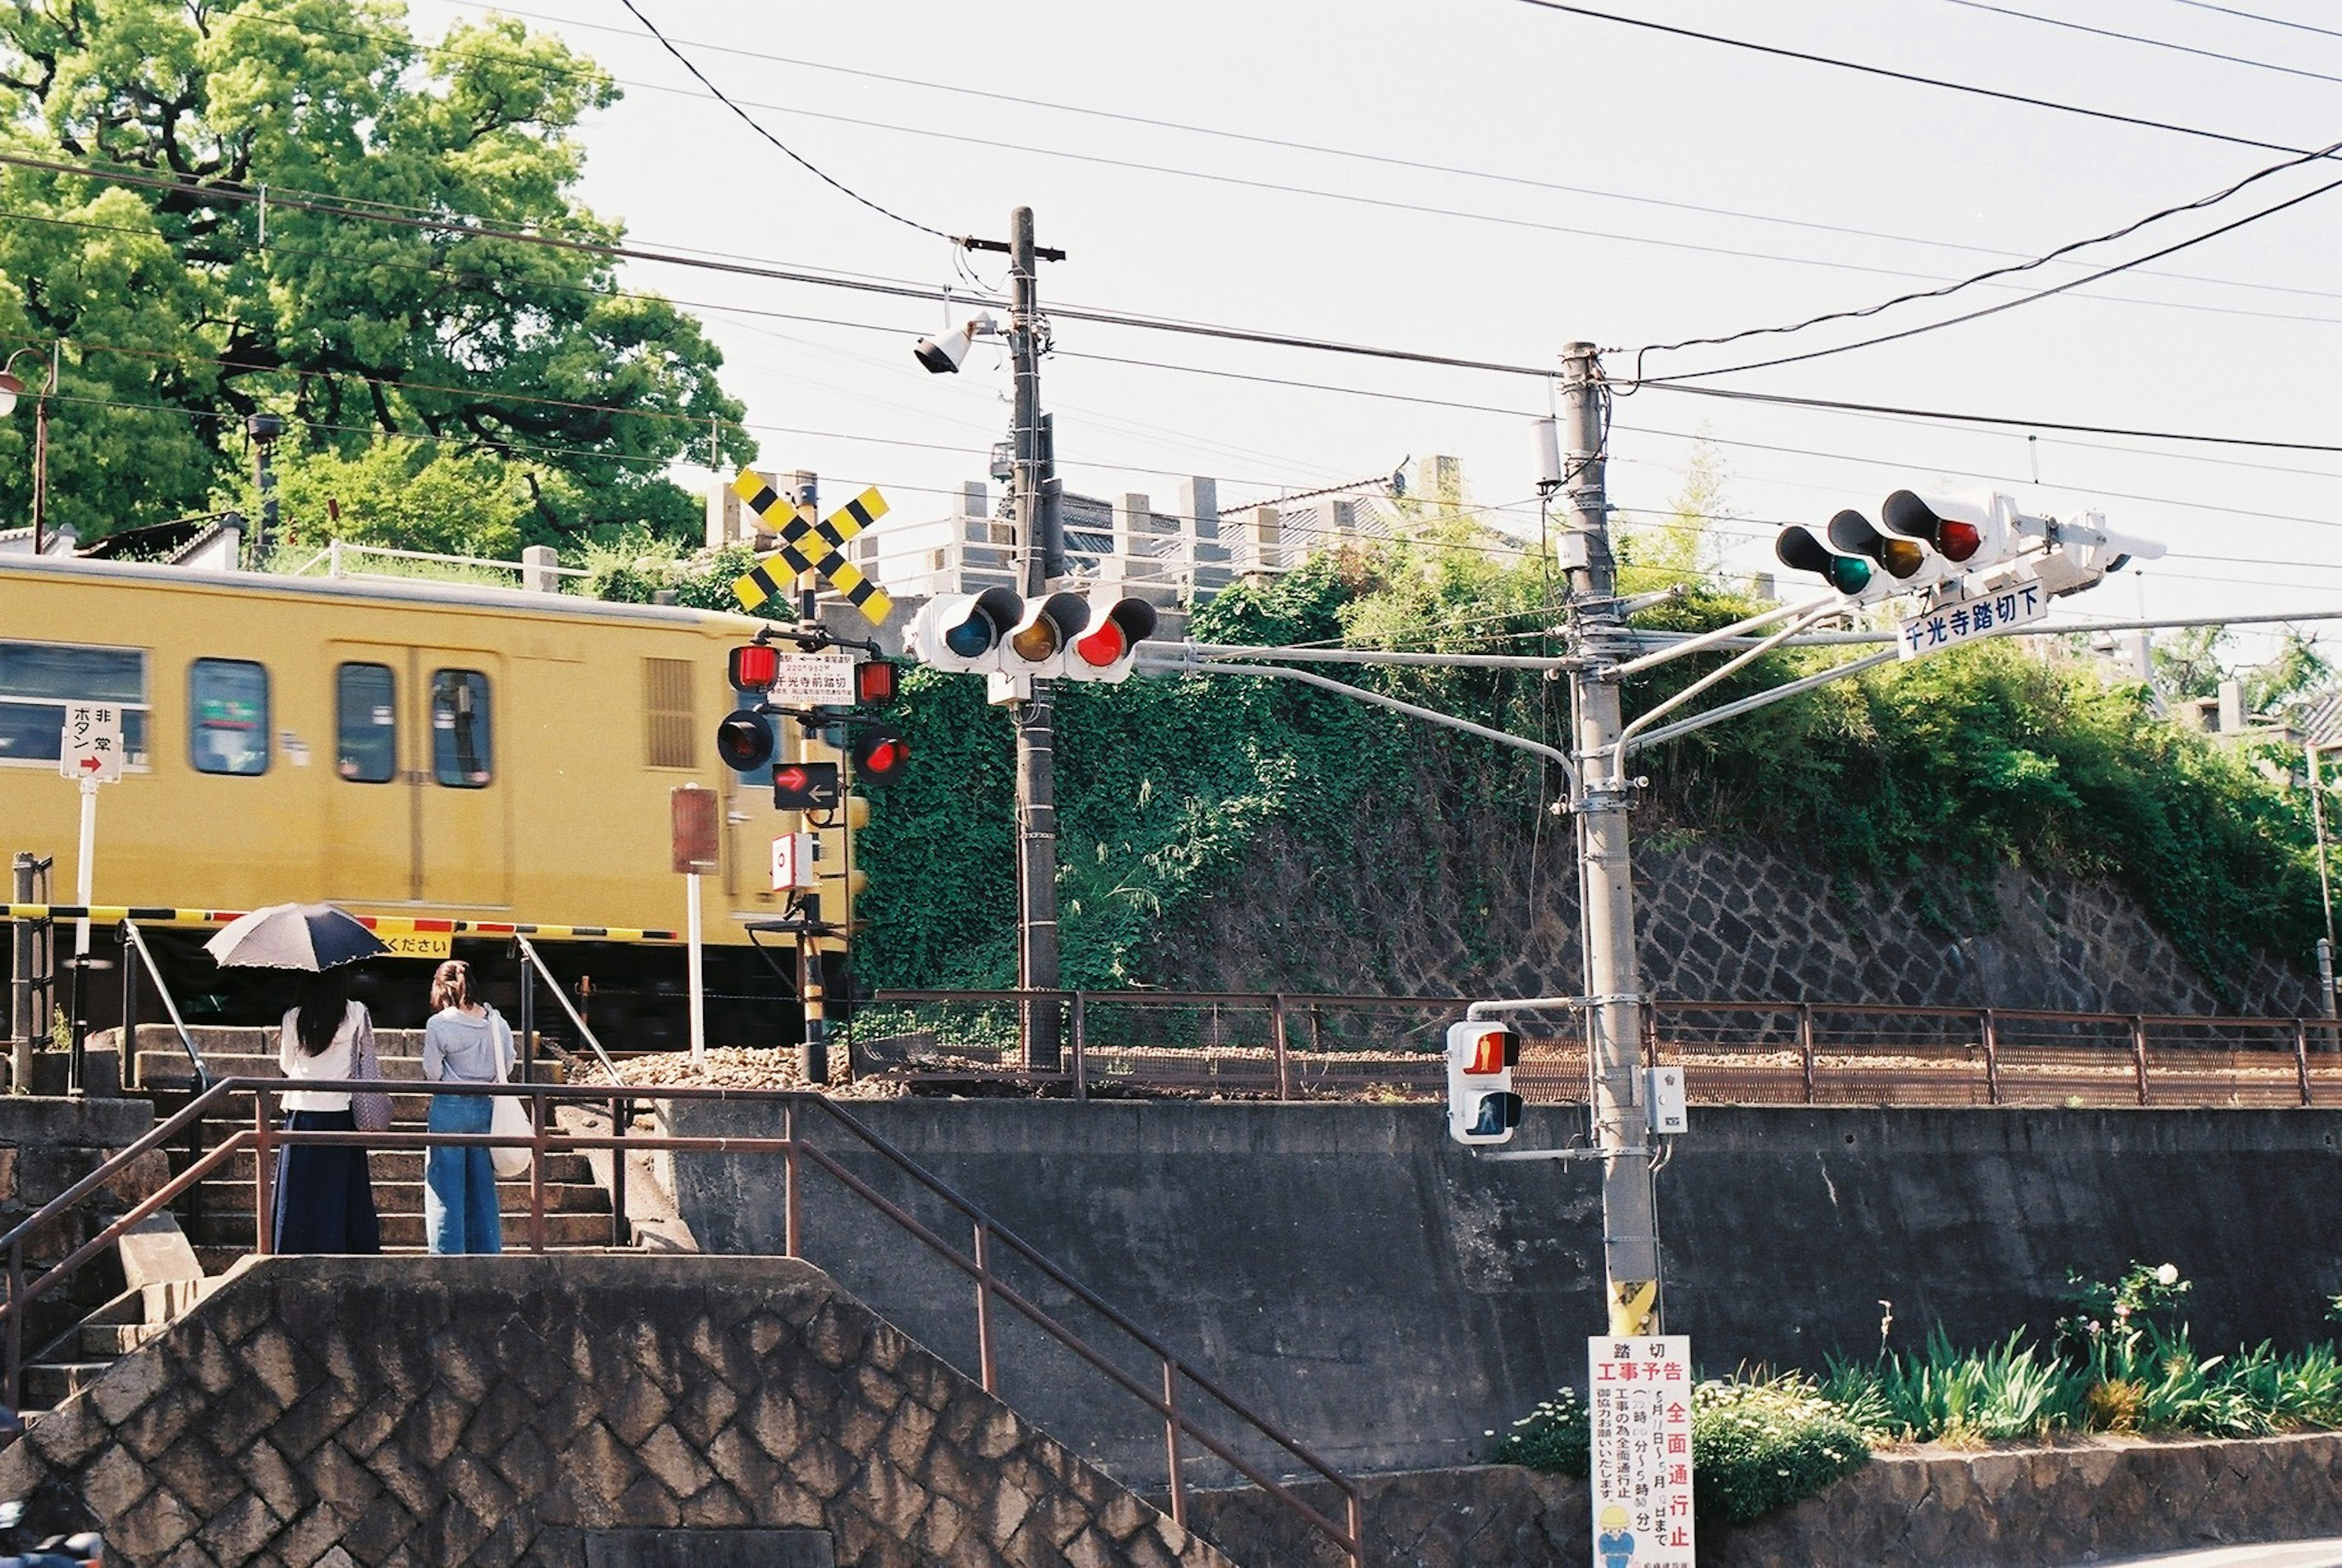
[
  {"x": 806, "y": 786},
  {"x": 805, "y": 545}
]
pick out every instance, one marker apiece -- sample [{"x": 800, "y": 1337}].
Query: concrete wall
[
  {"x": 408, "y": 1411},
  {"x": 1389, "y": 1299},
  {"x": 48, "y": 1143}
]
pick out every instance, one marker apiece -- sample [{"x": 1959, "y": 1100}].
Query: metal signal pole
[
  {"x": 1036, "y": 808},
  {"x": 1614, "y": 1003},
  {"x": 813, "y": 1049}
]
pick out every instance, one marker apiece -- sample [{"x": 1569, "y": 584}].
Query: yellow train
[{"x": 405, "y": 747}]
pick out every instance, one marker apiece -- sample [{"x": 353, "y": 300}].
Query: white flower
[{"x": 2168, "y": 1274}]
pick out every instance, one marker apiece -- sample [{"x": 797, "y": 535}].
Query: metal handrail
[
  {"x": 262, "y": 1138},
  {"x": 528, "y": 951},
  {"x": 130, "y": 1025}
]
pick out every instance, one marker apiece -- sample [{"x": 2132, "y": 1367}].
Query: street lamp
[{"x": 12, "y": 387}]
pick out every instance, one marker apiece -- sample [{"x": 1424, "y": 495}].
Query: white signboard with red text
[{"x": 1640, "y": 1407}]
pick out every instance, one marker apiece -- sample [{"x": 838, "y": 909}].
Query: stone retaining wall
[
  {"x": 2018, "y": 1508},
  {"x": 496, "y": 1410},
  {"x": 47, "y": 1144}
]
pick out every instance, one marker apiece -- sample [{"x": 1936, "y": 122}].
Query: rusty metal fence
[{"x": 1296, "y": 1047}]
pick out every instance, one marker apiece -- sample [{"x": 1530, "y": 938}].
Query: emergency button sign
[{"x": 92, "y": 745}]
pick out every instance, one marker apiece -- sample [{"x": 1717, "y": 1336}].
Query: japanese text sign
[
  {"x": 1965, "y": 620},
  {"x": 92, "y": 743},
  {"x": 1640, "y": 1408}
]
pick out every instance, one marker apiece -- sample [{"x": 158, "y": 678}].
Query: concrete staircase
[
  {"x": 174, "y": 1260},
  {"x": 218, "y": 1221}
]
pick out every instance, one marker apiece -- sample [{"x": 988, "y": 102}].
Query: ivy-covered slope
[{"x": 1169, "y": 791}]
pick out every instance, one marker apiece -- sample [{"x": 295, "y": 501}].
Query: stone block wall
[
  {"x": 403, "y": 1411},
  {"x": 2010, "y": 1508},
  {"x": 1489, "y": 908},
  {"x": 47, "y": 1144}
]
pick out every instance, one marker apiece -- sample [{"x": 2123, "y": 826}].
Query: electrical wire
[
  {"x": 2139, "y": 39},
  {"x": 750, "y": 121},
  {"x": 1785, "y": 400},
  {"x": 2038, "y": 294},
  {"x": 2257, "y": 16},
  {"x": 1912, "y": 77},
  {"x": 2027, "y": 265},
  {"x": 959, "y": 259}
]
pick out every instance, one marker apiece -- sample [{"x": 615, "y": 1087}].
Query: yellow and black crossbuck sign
[{"x": 807, "y": 546}]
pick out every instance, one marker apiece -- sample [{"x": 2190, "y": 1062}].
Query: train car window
[
  {"x": 669, "y": 728},
  {"x": 38, "y": 679},
  {"x": 227, "y": 715},
  {"x": 365, "y": 722},
  {"x": 461, "y": 753}
]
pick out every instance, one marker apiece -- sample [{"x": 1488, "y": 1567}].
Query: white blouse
[{"x": 334, "y": 1061}]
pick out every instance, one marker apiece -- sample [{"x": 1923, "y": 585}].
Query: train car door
[
  {"x": 370, "y": 810},
  {"x": 463, "y": 791}
]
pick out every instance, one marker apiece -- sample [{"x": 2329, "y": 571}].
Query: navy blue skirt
[{"x": 325, "y": 1193}]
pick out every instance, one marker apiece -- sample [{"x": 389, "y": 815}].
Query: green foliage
[
  {"x": 1758, "y": 1443},
  {"x": 1987, "y": 756},
  {"x": 1557, "y": 1436},
  {"x": 2122, "y": 1362},
  {"x": 402, "y": 495},
  {"x": 177, "y": 320}
]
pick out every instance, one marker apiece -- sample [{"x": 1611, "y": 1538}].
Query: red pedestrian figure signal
[{"x": 806, "y": 786}]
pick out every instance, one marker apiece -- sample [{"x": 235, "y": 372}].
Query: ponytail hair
[{"x": 451, "y": 985}]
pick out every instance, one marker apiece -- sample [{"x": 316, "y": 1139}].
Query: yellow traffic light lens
[
  {"x": 1901, "y": 556},
  {"x": 1034, "y": 643}
]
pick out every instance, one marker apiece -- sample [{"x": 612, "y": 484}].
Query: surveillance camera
[{"x": 945, "y": 356}]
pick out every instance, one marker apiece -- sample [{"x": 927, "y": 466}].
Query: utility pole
[
  {"x": 813, "y": 1051},
  {"x": 1036, "y": 809},
  {"x": 1614, "y": 1005}
]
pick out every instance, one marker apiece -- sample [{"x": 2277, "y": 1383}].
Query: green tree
[
  {"x": 178, "y": 318},
  {"x": 2186, "y": 664}
]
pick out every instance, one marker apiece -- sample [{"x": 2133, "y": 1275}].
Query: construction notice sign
[{"x": 1640, "y": 1407}]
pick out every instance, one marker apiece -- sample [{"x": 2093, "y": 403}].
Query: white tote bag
[{"x": 511, "y": 1118}]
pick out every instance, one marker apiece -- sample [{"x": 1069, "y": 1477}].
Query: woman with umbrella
[{"x": 325, "y": 1192}]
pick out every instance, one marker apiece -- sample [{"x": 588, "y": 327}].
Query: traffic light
[
  {"x": 880, "y": 753},
  {"x": 964, "y": 631},
  {"x": 754, "y": 667},
  {"x": 1106, "y": 643},
  {"x": 1481, "y": 1106},
  {"x": 744, "y": 740},
  {"x": 1058, "y": 635},
  {"x": 1800, "y": 550},
  {"x": 1971, "y": 532}
]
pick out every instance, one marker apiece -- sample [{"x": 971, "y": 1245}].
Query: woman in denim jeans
[{"x": 464, "y": 1043}]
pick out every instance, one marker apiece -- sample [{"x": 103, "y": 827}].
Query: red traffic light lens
[
  {"x": 880, "y": 754},
  {"x": 874, "y": 683},
  {"x": 1102, "y": 646},
  {"x": 1958, "y": 541},
  {"x": 755, "y": 666},
  {"x": 745, "y": 741}
]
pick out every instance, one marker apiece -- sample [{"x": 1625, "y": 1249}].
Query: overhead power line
[
  {"x": 750, "y": 121},
  {"x": 2039, "y": 261},
  {"x": 2257, "y": 16},
  {"x": 1913, "y": 77},
  {"x": 2038, "y": 294},
  {"x": 2177, "y": 48}
]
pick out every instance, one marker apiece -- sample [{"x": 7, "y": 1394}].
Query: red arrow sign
[
  {"x": 89, "y": 765},
  {"x": 790, "y": 778}
]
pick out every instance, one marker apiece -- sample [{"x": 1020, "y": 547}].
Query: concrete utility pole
[
  {"x": 1614, "y": 1004},
  {"x": 813, "y": 1050},
  {"x": 1036, "y": 809}
]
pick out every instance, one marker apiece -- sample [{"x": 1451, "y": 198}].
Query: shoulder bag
[
  {"x": 511, "y": 1119},
  {"x": 370, "y": 1108}
]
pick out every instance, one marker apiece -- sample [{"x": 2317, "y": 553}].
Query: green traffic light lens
[{"x": 1848, "y": 574}]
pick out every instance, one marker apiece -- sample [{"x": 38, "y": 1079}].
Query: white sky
[{"x": 2244, "y": 344}]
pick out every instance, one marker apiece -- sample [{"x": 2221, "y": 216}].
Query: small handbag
[
  {"x": 369, "y": 1108},
  {"x": 510, "y": 1119}
]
